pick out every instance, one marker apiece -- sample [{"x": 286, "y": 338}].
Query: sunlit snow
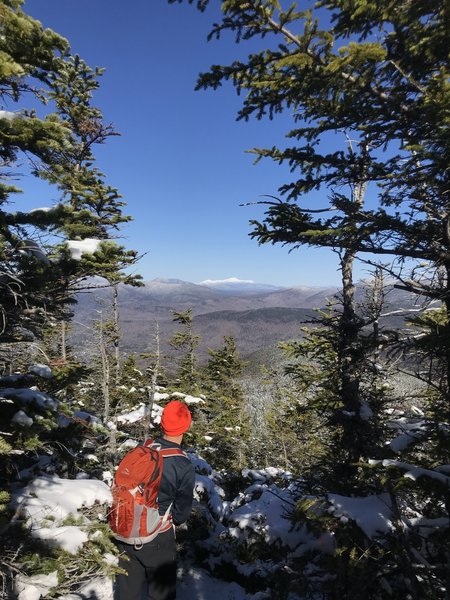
[{"x": 79, "y": 247}]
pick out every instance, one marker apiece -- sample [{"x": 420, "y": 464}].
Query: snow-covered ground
[
  {"x": 257, "y": 513},
  {"x": 55, "y": 509},
  {"x": 192, "y": 584}
]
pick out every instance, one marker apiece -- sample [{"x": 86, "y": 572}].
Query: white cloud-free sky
[{"x": 180, "y": 161}]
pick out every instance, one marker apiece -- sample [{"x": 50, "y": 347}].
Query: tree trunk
[
  {"x": 116, "y": 335},
  {"x": 348, "y": 350},
  {"x": 64, "y": 352},
  {"x": 349, "y": 364},
  {"x": 105, "y": 373},
  {"x": 153, "y": 382},
  {"x": 63, "y": 341},
  {"x": 376, "y": 306}
]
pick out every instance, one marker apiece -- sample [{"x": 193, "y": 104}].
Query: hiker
[{"x": 153, "y": 563}]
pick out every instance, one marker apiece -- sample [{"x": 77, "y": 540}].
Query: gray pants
[{"x": 151, "y": 571}]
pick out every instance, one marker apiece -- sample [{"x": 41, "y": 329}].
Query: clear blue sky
[{"x": 180, "y": 162}]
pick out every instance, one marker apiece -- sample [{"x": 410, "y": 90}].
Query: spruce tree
[
  {"x": 186, "y": 342},
  {"x": 378, "y": 74},
  {"x": 49, "y": 124},
  {"x": 228, "y": 421},
  {"x": 38, "y": 275}
]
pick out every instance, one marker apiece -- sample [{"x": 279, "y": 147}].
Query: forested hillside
[
  {"x": 269, "y": 317},
  {"x": 325, "y": 474},
  {"x": 257, "y": 321}
]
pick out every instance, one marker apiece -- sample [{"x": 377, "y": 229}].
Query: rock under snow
[
  {"x": 28, "y": 396},
  {"x": 22, "y": 419},
  {"x": 41, "y": 370}
]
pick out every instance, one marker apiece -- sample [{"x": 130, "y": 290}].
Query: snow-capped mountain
[{"x": 238, "y": 287}]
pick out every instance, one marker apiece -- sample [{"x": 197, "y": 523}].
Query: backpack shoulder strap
[
  {"x": 166, "y": 452},
  {"x": 149, "y": 443}
]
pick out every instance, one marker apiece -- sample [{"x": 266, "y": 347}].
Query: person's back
[
  {"x": 177, "y": 484},
  {"x": 154, "y": 563}
]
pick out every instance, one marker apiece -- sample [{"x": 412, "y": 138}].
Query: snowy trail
[
  {"x": 193, "y": 583},
  {"x": 198, "y": 584}
]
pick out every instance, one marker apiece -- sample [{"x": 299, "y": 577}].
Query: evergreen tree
[
  {"x": 289, "y": 433},
  {"x": 133, "y": 388},
  {"x": 28, "y": 55},
  {"x": 38, "y": 277},
  {"x": 320, "y": 416},
  {"x": 228, "y": 421},
  {"x": 379, "y": 73},
  {"x": 224, "y": 368},
  {"x": 186, "y": 342},
  {"x": 50, "y": 125},
  {"x": 59, "y": 354}
]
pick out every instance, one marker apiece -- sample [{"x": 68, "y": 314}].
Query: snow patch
[
  {"x": 229, "y": 280},
  {"x": 100, "y": 588},
  {"x": 371, "y": 513},
  {"x": 41, "y": 209},
  {"x": 415, "y": 473},
  {"x": 79, "y": 247},
  {"x": 265, "y": 515},
  {"x": 47, "y": 501},
  {"x": 198, "y": 584},
  {"x": 32, "y": 588},
  {"x": 8, "y": 115},
  {"x": 68, "y": 537},
  {"x": 134, "y": 415}
]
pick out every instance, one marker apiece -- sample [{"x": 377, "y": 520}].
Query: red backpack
[{"x": 134, "y": 517}]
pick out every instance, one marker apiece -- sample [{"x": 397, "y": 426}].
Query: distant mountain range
[{"x": 257, "y": 315}]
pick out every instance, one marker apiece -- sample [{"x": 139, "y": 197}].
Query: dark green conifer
[
  {"x": 186, "y": 343},
  {"x": 228, "y": 422}
]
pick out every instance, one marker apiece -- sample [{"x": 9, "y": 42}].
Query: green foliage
[
  {"x": 186, "y": 343},
  {"x": 379, "y": 567},
  {"x": 334, "y": 430},
  {"x": 5, "y": 448},
  {"x": 133, "y": 385},
  {"x": 297, "y": 435},
  {"x": 25, "y": 48},
  {"x": 374, "y": 76},
  {"x": 227, "y": 418},
  {"x": 38, "y": 276},
  {"x": 5, "y": 498},
  {"x": 427, "y": 346},
  {"x": 432, "y": 325},
  {"x": 224, "y": 368},
  {"x": 74, "y": 570}
]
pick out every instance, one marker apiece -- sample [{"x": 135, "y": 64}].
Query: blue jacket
[{"x": 177, "y": 484}]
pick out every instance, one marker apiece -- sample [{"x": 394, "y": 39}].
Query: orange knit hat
[{"x": 176, "y": 418}]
